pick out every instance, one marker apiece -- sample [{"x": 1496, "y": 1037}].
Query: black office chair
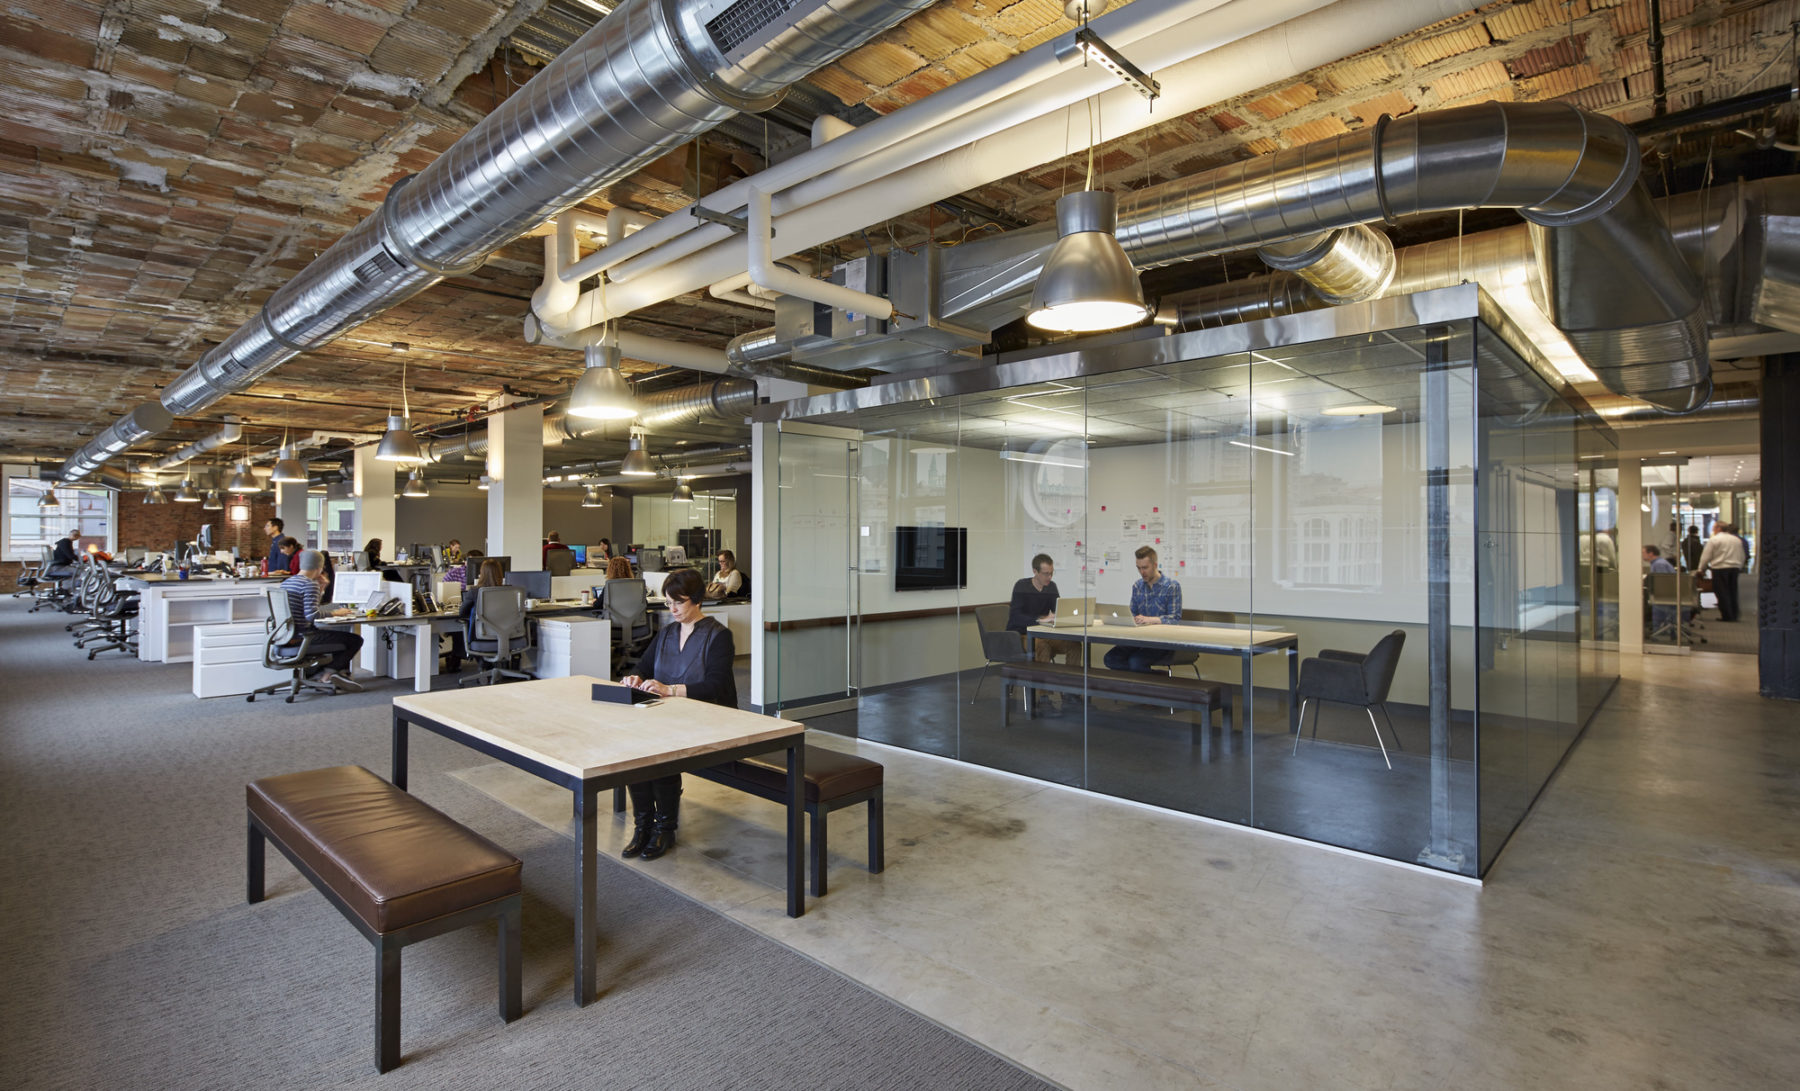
[
  {"x": 298, "y": 659},
  {"x": 627, "y": 606},
  {"x": 998, "y": 643},
  {"x": 1352, "y": 678},
  {"x": 560, "y": 562},
  {"x": 497, "y": 634},
  {"x": 115, "y": 611}
]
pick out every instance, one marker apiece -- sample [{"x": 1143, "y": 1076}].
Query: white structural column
[
  {"x": 515, "y": 457},
  {"x": 765, "y": 542},
  {"x": 1630, "y": 547},
  {"x": 290, "y": 508},
  {"x": 374, "y": 501}
]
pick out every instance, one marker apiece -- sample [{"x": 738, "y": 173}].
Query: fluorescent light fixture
[
  {"x": 1668, "y": 452},
  {"x": 1357, "y": 410},
  {"x": 637, "y": 460},
  {"x": 1087, "y": 283},
  {"x": 1043, "y": 460},
  {"x": 398, "y": 444},
  {"x": 1260, "y": 447},
  {"x": 602, "y": 392}
]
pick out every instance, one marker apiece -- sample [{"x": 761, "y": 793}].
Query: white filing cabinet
[
  {"x": 228, "y": 660},
  {"x": 574, "y": 645}
]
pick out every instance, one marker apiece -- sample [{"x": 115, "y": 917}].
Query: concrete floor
[{"x": 1639, "y": 931}]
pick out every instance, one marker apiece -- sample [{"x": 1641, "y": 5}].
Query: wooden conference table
[
  {"x": 554, "y": 729},
  {"x": 1208, "y": 639}
]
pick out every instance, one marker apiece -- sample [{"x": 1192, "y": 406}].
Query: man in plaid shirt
[{"x": 1155, "y": 600}]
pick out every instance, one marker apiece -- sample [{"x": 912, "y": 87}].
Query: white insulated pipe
[
  {"x": 766, "y": 274},
  {"x": 637, "y": 346},
  {"x": 231, "y": 433},
  {"x": 1124, "y": 27},
  {"x": 1190, "y": 82}
]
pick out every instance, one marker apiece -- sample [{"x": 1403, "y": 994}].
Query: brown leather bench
[
  {"x": 397, "y": 869},
  {"x": 1150, "y": 689},
  {"x": 833, "y": 781}
]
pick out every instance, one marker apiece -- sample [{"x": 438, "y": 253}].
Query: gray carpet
[{"x": 132, "y": 961}]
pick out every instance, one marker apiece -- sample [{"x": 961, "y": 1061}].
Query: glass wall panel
[{"x": 1389, "y": 527}]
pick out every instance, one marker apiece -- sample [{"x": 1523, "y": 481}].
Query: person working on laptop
[
  {"x": 303, "y": 589},
  {"x": 691, "y": 658},
  {"x": 1155, "y": 600},
  {"x": 1034, "y": 603}
]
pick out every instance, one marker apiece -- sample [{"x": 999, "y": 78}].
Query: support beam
[
  {"x": 1776, "y": 562},
  {"x": 374, "y": 501},
  {"x": 515, "y": 512},
  {"x": 290, "y": 508}
]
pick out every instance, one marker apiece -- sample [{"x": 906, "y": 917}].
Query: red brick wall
[{"x": 159, "y": 526}]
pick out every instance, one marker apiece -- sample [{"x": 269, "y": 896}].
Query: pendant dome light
[
  {"x": 244, "y": 479},
  {"x": 187, "y": 494},
  {"x": 415, "y": 484},
  {"x": 213, "y": 501},
  {"x": 153, "y": 493},
  {"x": 288, "y": 470},
  {"x": 603, "y": 392},
  {"x": 590, "y": 498},
  {"x": 48, "y": 501},
  {"x": 637, "y": 460},
  {"x": 1087, "y": 283},
  {"x": 399, "y": 444},
  {"x": 683, "y": 493}
]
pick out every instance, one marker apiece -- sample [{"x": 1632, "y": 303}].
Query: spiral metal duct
[
  {"x": 139, "y": 424},
  {"x": 720, "y": 399},
  {"x": 1346, "y": 265},
  {"x": 646, "y": 80}
]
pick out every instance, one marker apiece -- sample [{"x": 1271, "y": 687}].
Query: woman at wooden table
[{"x": 690, "y": 658}]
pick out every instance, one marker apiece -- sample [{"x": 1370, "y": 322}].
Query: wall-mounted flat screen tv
[{"x": 930, "y": 558}]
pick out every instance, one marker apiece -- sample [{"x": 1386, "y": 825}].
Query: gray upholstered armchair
[
  {"x": 998, "y": 643},
  {"x": 1352, "y": 678}
]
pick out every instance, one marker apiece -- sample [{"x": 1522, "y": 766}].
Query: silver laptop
[
  {"x": 1112, "y": 613},
  {"x": 1073, "y": 612}
]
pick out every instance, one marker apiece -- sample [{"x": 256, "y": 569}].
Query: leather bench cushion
[
  {"x": 829, "y": 774},
  {"x": 1150, "y": 687},
  {"x": 393, "y": 859}
]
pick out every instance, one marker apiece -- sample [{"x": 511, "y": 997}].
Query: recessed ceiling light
[
  {"x": 1260, "y": 447},
  {"x": 1665, "y": 452},
  {"x": 1357, "y": 410}
]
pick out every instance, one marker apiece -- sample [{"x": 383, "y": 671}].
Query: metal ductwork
[
  {"x": 1345, "y": 265},
  {"x": 231, "y": 433},
  {"x": 727, "y": 399},
  {"x": 717, "y": 460},
  {"x": 647, "y": 79},
  {"x": 134, "y": 427},
  {"x": 761, "y": 354}
]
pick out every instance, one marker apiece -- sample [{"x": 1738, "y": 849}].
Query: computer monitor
[
  {"x": 580, "y": 552},
  {"x": 650, "y": 560},
  {"x": 653, "y": 582},
  {"x": 536, "y": 585},
  {"x": 504, "y": 562},
  {"x": 674, "y": 555}
]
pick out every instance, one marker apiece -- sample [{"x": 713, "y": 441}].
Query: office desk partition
[
  {"x": 424, "y": 629},
  {"x": 1247, "y": 644},
  {"x": 169, "y": 610},
  {"x": 553, "y": 729}
]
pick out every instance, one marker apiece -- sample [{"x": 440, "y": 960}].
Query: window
[{"x": 88, "y": 507}]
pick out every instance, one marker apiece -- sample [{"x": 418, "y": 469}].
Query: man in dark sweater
[{"x": 1034, "y": 603}]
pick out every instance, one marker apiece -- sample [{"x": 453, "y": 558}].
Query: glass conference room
[{"x": 1312, "y": 482}]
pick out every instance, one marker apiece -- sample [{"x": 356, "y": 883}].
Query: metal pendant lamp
[
  {"x": 153, "y": 493},
  {"x": 288, "y": 470},
  {"x": 602, "y": 392},
  {"x": 637, "y": 460},
  {"x": 415, "y": 485},
  {"x": 213, "y": 501},
  {"x": 399, "y": 444},
  {"x": 683, "y": 494},
  {"x": 187, "y": 494},
  {"x": 590, "y": 497},
  {"x": 244, "y": 480},
  {"x": 48, "y": 501},
  {"x": 1087, "y": 283}
]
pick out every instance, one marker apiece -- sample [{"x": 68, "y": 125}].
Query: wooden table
[
  {"x": 1210, "y": 639},
  {"x": 554, "y": 729}
]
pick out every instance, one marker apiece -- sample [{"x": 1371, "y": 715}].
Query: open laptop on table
[{"x": 1073, "y": 613}]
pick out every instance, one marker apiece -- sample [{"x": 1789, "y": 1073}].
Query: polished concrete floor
[{"x": 1638, "y": 932}]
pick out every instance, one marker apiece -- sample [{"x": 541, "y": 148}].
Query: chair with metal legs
[
  {"x": 998, "y": 643},
  {"x": 1352, "y": 678}
]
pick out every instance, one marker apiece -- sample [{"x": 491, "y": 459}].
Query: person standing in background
[
  {"x": 1690, "y": 549},
  {"x": 274, "y": 564},
  {"x": 1723, "y": 559}
]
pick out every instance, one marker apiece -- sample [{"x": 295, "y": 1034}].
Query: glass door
[{"x": 818, "y": 665}]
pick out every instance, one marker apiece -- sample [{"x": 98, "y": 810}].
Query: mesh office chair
[
  {"x": 560, "y": 562},
  {"x": 627, "y": 606},
  {"x": 115, "y": 612},
  {"x": 497, "y": 634},
  {"x": 1672, "y": 606},
  {"x": 28, "y": 575},
  {"x": 298, "y": 659},
  {"x": 998, "y": 643},
  {"x": 1352, "y": 678}
]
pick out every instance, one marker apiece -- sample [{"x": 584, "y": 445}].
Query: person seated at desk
[
  {"x": 554, "y": 541},
  {"x": 618, "y": 569},
  {"x": 1155, "y": 600},
  {"x": 64, "y": 554},
  {"x": 603, "y": 557},
  {"x": 303, "y": 591},
  {"x": 1034, "y": 603},
  {"x": 370, "y": 560},
  {"x": 727, "y": 581},
  {"x": 490, "y": 576},
  {"x": 1660, "y": 616},
  {"x": 691, "y": 658},
  {"x": 453, "y": 554}
]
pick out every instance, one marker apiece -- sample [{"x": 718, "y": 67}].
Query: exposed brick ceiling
[{"x": 167, "y": 164}]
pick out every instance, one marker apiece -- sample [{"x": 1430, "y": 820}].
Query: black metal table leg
[
  {"x": 399, "y": 777},
  {"x": 796, "y": 827},
  {"x": 586, "y": 812}
]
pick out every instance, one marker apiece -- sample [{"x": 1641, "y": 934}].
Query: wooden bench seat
[
  {"x": 1165, "y": 690},
  {"x": 833, "y": 781},
  {"x": 397, "y": 869}
]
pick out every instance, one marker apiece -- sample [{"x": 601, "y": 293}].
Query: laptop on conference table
[{"x": 1073, "y": 612}]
